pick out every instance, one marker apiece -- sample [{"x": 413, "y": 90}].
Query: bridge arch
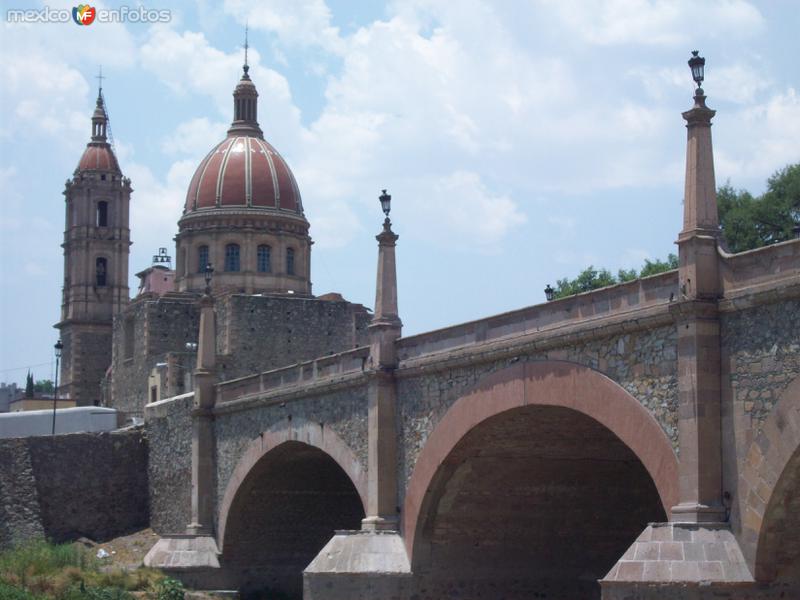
[
  {"x": 499, "y": 450},
  {"x": 771, "y": 476},
  {"x": 291, "y": 488}
]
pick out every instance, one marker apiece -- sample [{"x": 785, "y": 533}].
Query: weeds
[{"x": 43, "y": 571}]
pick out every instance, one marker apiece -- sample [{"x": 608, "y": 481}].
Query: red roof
[
  {"x": 98, "y": 157},
  {"x": 243, "y": 171}
]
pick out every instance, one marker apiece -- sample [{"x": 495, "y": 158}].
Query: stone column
[
  {"x": 384, "y": 330},
  {"x": 203, "y": 423},
  {"x": 193, "y": 556},
  {"x": 697, "y": 320},
  {"x": 372, "y": 563}
]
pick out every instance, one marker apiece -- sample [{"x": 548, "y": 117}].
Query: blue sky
[{"x": 521, "y": 141}]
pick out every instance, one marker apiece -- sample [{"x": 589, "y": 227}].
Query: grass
[{"x": 43, "y": 571}]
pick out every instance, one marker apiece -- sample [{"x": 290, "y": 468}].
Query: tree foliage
[
  {"x": 749, "y": 222},
  {"x": 44, "y": 386},
  {"x": 592, "y": 279}
]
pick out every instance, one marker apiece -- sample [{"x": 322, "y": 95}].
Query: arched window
[
  {"x": 202, "y": 259},
  {"x": 290, "y": 261},
  {"x": 232, "y": 257},
  {"x": 100, "y": 272},
  {"x": 102, "y": 214},
  {"x": 263, "y": 259}
]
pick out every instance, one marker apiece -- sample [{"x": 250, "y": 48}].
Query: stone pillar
[
  {"x": 203, "y": 423},
  {"x": 384, "y": 330},
  {"x": 695, "y": 554},
  {"x": 193, "y": 556},
  {"x": 372, "y": 564},
  {"x": 697, "y": 319}
]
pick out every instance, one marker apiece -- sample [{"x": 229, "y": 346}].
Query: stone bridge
[{"x": 638, "y": 441}]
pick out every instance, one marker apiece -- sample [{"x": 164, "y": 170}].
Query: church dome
[
  {"x": 246, "y": 171},
  {"x": 243, "y": 214}
]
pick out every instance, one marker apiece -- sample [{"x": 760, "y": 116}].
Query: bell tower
[{"x": 96, "y": 249}]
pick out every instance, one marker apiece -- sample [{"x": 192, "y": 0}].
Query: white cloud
[
  {"x": 759, "y": 139},
  {"x": 194, "y": 137},
  {"x": 461, "y": 204},
  {"x": 656, "y": 22},
  {"x": 294, "y": 22}
]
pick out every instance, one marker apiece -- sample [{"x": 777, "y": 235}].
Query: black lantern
[
  {"x": 549, "y": 293},
  {"x": 59, "y": 347},
  {"x": 697, "y": 64},
  {"x": 209, "y": 271},
  {"x": 386, "y": 203}
]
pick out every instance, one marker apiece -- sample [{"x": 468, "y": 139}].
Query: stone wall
[
  {"x": 68, "y": 486},
  {"x": 169, "y": 430},
  {"x": 259, "y": 333},
  {"x": 761, "y": 352},
  {"x": 254, "y": 334},
  {"x": 143, "y": 334},
  {"x": 643, "y": 362}
]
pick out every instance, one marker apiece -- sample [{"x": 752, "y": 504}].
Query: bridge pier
[{"x": 193, "y": 556}]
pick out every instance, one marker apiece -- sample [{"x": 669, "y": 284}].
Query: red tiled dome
[
  {"x": 98, "y": 157},
  {"x": 243, "y": 170}
]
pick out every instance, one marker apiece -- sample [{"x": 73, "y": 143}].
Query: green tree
[
  {"x": 29, "y": 386},
  {"x": 592, "y": 279},
  {"x": 748, "y": 222},
  {"x": 44, "y": 386}
]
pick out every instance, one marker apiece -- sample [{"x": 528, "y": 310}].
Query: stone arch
[
  {"x": 556, "y": 384},
  {"x": 771, "y": 478},
  {"x": 316, "y": 435}
]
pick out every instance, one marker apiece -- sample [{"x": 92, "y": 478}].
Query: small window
[
  {"x": 290, "y": 261},
  {"x": 263, "y": 256},
  {"x": 100, "y": 272},
  {"x": 202, "y": 259},
  {"x": 232, "y": 257},
  {"x": 102, "y": 214}
]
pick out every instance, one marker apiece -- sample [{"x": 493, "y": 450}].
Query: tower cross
[
  {"x": 246, "y": 45},
  {"x": 100, "y": 77}
]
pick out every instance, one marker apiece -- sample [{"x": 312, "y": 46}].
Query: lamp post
[
  {"x": 697, "y": 63},
  {"x": 386, "y": 203},
  {"x": 549, "y": 293},
  {"x": 58, "y": 347}
]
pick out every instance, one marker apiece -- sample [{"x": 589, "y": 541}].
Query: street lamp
[
  {"x": 386, "y": 203},
  {"x": 697, "y": 64},
  {"x": 549, "y": 293},
  {"x": 209, "y": 271},
  {"x": 58, "y": 347}
]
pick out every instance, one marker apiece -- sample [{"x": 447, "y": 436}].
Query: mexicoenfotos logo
[{"x": 83, "y": 14}]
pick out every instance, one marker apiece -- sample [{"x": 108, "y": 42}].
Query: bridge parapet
[
  {"x": 766, "y": 269},
  {"x": 617, "y": 300},
  {"x": 325, "y": 367}
]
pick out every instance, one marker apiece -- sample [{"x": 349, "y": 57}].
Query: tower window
[
  {"x": 202, "y": 259},
  {"x": 290, "y": 261},
  {"x": 102, "y": 214},
  {"x": 263, "y": 256},
  {"x": 100, "y": 272},
  {"x": 232, "y": 257}
]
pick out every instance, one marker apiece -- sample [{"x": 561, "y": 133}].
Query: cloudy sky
[{"x": 521, "y": 141}]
